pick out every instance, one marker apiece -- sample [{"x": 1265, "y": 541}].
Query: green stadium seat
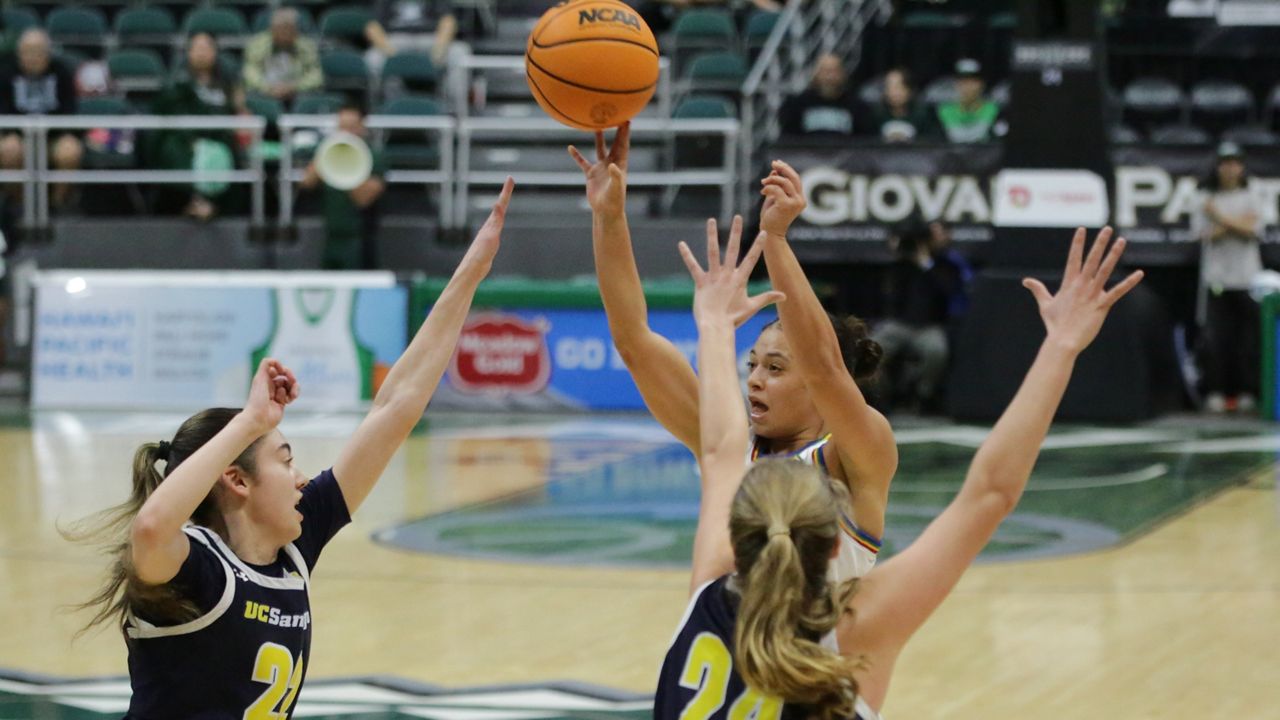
[
  {"x": 317, "y": 103},
  {"x": 344, "y": 24},
  {"x": 136, "y": 71},
  {"x": 717, "y": 72},
  {"x": 703, "y": 108},
  {"x": 760, "y": 25},
  {"x": 78, "y": 27},
  {"x": 17, "y": 19},
  {"x": 406, "y": 72},
  {"x": 409, "y": 148},
  {"x": 217, "y": 21},
  {"x": 151, "y": 27},
  {"x": 344, "y": 70},
  {"x": 264, "y": 106},
  {"x": 701, "y": 30}
]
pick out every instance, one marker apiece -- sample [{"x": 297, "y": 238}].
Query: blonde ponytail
[{"x": 784, "y": 525}]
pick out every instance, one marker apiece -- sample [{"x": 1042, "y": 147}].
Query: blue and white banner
[{"x": 558, "y": 358}]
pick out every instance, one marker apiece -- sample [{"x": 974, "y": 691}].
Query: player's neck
[
  {"x": 792, "y": 443},
  {"x": 249, "y": 542}
]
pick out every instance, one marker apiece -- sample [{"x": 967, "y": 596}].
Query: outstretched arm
[
  {"x": 413, "y": 379},
  {"x": 157, "y": 544},
  {"x": 722, "y": 457},
  {"x": 862, "y": 435},
  {"x": 661, "y": 372},
  {"x": 899, "y": 595}
]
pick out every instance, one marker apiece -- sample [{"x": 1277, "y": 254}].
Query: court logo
[{"x": 501, "y": 353}]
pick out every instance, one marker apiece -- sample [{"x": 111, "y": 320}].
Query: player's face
[
  {"x": 277, "y": 489},
  {"x": 780, "y": 404}
]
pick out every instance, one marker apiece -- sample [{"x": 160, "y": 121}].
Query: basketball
[{"x": 592, "y": 64}]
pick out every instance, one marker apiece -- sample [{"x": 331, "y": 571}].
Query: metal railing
[
  {"x": 444, "y": 127},
  {"x": 467, "y": 75},
  {"x": 36, "y": 176},
  {"x": 481, "y": 128},
  {"x": 804, "y": 31}
]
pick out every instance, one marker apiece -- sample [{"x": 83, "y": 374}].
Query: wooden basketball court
[{"x": 501, "y": 552}]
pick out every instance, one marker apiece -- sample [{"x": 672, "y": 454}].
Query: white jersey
[{"x": 858, "y": 548}]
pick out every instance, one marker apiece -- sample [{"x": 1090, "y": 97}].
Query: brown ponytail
[
  {"x": 122, "y": 591},
  {"x": 783, "y": 526}
]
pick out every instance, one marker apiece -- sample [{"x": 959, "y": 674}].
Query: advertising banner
[
  {"x": 147, "y": 340},
  {"x": 857, "y": 194},
  {"x": 558, "y": 358}
]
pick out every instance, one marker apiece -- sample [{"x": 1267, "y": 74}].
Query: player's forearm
[
  {"x": 1004, "y": 462},
  {"x": 722, "y": 417},
  {"x": 174, "y": 500},
  {"x": 619, "y": 278},
  {"x": 414, "y": 377},
  {"x": 804, "y": 321}
]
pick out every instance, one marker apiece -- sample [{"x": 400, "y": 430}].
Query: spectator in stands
[
  {"x": 38, "y": 84},
  {"x": 898, "y": 117},
  {"x": 351, "y": 217},
  {"x": 199, "y": 88},
  {"x": 917, "y": 294},
  {"x": 279, "y": 62},
  {"x": 1229, "y": 226},
  {"x": 972, "y": 118},
  {"x": 956, "y": 266},
  {"x": 827, "y": 107},
  {"x": 415, "y": 16}
]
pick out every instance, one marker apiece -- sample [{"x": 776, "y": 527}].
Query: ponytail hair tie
[
  {"x": 775, "y": 530},
  {"x": 162, "y": 452}
]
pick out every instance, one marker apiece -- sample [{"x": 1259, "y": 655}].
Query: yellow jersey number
[
  {"x": 275, "y": 668},
  {"x": 707, "y": 670}
]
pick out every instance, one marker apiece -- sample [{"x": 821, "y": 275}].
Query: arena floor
[{"x": 533, "y": 567}]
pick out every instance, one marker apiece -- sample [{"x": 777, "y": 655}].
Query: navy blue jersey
[
  {"x": 246, "y": 655},
  {"x": 698, "y": 680}
]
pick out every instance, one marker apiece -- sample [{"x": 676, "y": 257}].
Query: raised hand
[
  {"x": 1073, "y": 316},
  {"x": 485, "y": 247},
  {"x": 273, "y": 387},
  {"x": 607, "y": 176},
  {"x": 783, "y": 199},
  {"x": 721, "y": 289}
]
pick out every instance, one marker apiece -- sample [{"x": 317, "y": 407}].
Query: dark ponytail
[
  {"x": 861, "y": 354},
  {"x": 122, "y": 590}
]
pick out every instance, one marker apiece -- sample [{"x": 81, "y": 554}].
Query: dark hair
[
  {"x": 122, "y": 591},
  {"x": 783, "y": 525},
  {"x": 354, "y": 104},
  {"x": 860, "y": 353},
  {"x": 1211, "y": 181},
  {"x": 904, "y": 72}
]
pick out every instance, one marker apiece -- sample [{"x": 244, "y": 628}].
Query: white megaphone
[{"x": 343, "y": 160}]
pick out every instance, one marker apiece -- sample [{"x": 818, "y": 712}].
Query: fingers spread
[
  {"x": 1075, "y": 256},
  {"x": 735, "y": 238},
  {"x": 1096, "y": 253},
  {"x": 1122, "y": 289},
  {"x": 577, "y": 158},
  {"x": 690, "y": 262},
  {"x": 1109, "y": 264},
  {"x": 713, "y": 245},
  {"x": 1038, "y": 290},
  {"x": 599, "y": 145},
  {"x": 753, "y": 254}
]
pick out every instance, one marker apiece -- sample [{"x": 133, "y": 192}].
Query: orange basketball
[{"x": 592, "y": 64}]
